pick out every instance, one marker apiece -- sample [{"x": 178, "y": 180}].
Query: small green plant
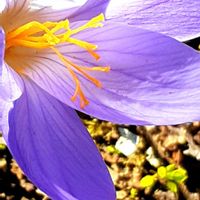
[
  {"x": 2, "y": 147},
  {"x": 112, "y": 149},
  {"x": 169, "y": 176},
  {"x": 133, "y": 193}
]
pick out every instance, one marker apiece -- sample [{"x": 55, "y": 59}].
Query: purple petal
[
  {"x": 10, "y": 83},
  {"x": 16, "y": 13},
  {"x": 154, "y": 79},
  {"x": 54, "y": 4},
  {"x": 53, "y": 148},
  {"x": 85, "y": 12},
  {"x": 179, "y": 19},
  {"x": 5, "y": 107},
  {"x": 3, "y": 103},
  {"x": 20, "y": 12},
  {"x": 2, "y": 46},
  {"x": 47, "y": 13},
  {"x": 89, "y": 10},
  {"x": 15, "y": 5},
  {"x": 1, "y": 113}
]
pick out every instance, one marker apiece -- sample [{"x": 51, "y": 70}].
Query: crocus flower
[
  {"x": 55, "y": 61},
  {"x": 175, "y": 18}
]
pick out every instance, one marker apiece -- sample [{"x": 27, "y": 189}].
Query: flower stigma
[{"x": 48, "y": 35}]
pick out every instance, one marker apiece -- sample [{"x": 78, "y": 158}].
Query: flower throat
[{"x": 45, "y": 35}]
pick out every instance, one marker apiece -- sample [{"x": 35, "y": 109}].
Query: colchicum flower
[{"x": 55, "y": 61}]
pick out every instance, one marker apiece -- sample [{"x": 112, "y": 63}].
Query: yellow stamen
[{"x": 49, "y": 35}]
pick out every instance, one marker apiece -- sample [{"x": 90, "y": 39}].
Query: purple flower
[
  {"x": 53, "y": 62},
  {"x": 175, "y": 18}
]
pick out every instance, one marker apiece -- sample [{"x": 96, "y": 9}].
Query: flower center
[{"x": 50, "y": 34}]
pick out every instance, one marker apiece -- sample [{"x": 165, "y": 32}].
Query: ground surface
[{"x": 169, "y": 144}]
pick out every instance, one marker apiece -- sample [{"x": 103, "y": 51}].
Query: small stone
[
  {"x": 29, "y": 187},
  {"x": 165, "y": 195},
  {"x": 152, "y": 159},
  {"x": 114, "y": 175},
  {"x": 3, "y": 164},
  {"x": 127, "y": 142},
  {"x": 2, "y": 195},
  {"x": 121, "y": 195},
  {"x": 24, "y": 198},
  {"x": 197, "y": 138},
  {"x": 2, "y": 141},
  {"x": 40, "y": 192},
  {"x": 16, "y": 170}
]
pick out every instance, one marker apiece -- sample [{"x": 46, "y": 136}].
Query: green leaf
[
  {"x": 162, "y": 172},
  {"x": 147, "y": 181},
  {"x": 171, "y": 167},
  {"x": 133, "y": 193},
  {"x": 112, "y": 149},
  {"x": 2, "y": 147},
  {"x": 172, "y": 186},
  {"x": 179, "y": 175}
]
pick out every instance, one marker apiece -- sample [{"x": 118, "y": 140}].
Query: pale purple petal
[
  {"x": 16, "y": 13},
  {"x": 15, "y": 6},
  {"x": 1, "y": 114},
  {"x": 21, "y": 12},
  {"x": 154, "y": 79},
  {"x": 176, "y": 18},
  {"x": 1, "y": 63},
  {"x": 10, "y": 83},
  {"x": 47, "y": 13},
  {"x": 24, "y": 11},
  {"x": 89, "y": 10},
  {"x": 58, "y": 5},
  {"x": 53, "y": 148},
  {"x": 8, "y": 88},
  {"x": 5, "y": 107},
  {"x": 82, "y": 12},
  {"x": 2, "y": 46},
  {"x": 2, "y": 104}
]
